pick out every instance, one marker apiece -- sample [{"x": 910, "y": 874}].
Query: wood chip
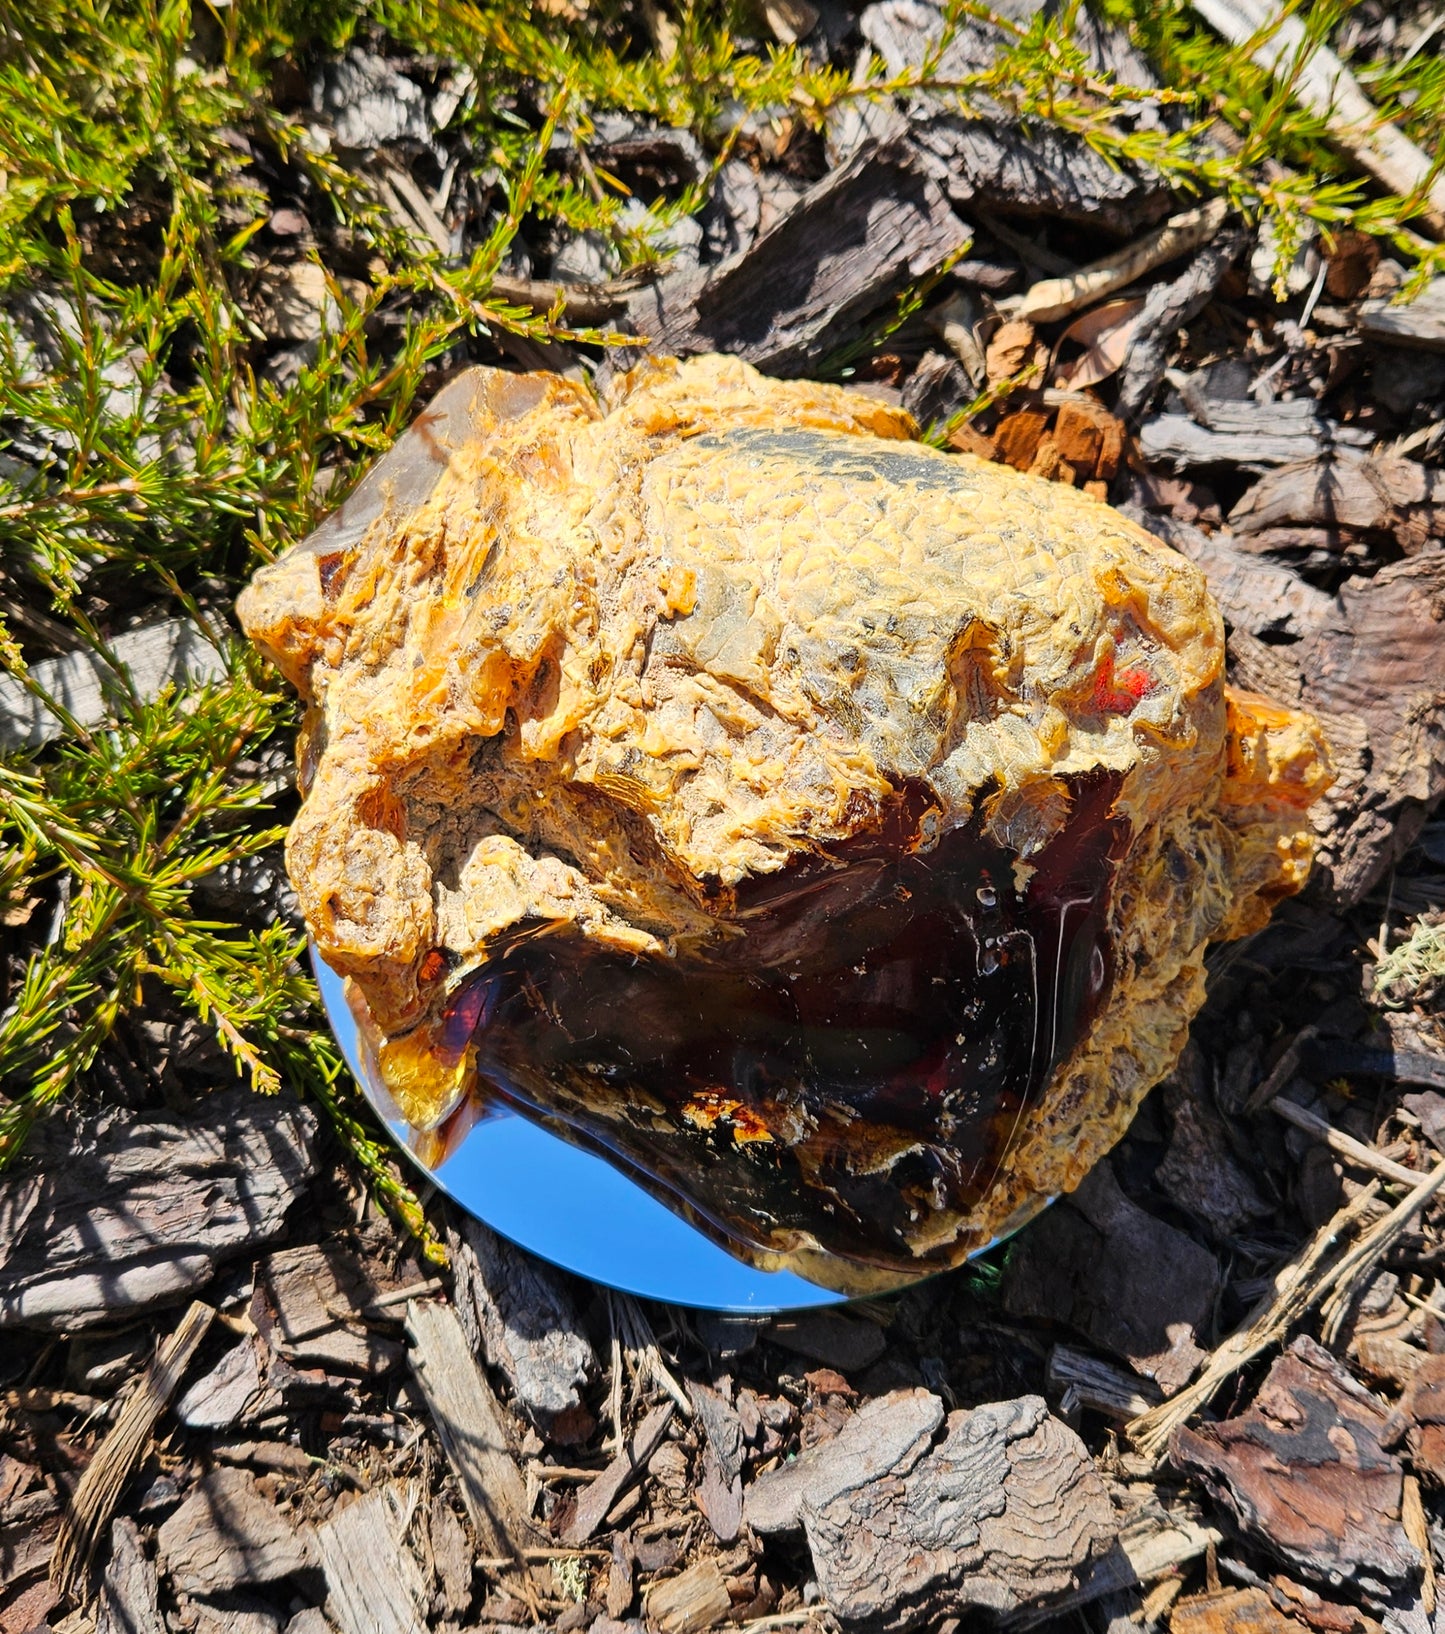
[
  {"x": 1077, "y": 1380},
  {"x": 227, "y": 1536},
  {"x": 1166, "y": 309},
  {"x": 1132, "y": 1284},
  {"x": 469, "y": 1420},
  {"x": 142, "y": 1209},
  {"x": 98, "y": 1492},
  {"x": 519, "y": 1314},
  {"x": 809, "y": 284},
  {"x": 889, "y": 1433},
  {"x": 692, "y": 1601},
  {"x": 1304, "y": 1473},
  {"x": 1245, "y": 436},
  {"x": 452, "y": 1557},
  {"x": 1420, "y": 322},
  {"x": 309, "y": 1306},
  {"x": 596, "y": 1500},
  {"x": 848, "y": 1343},
  {"x": 128, "y": 1601},
  {"x": 374, "y": 1585}
]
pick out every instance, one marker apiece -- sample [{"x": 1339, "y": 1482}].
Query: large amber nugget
[{"x": 826, "y": 828}]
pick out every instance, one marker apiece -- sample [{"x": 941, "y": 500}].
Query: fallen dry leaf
[{"x": 1105, "y": 333}]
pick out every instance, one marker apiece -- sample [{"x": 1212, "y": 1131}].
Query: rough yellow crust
[{"x": 600, "y": 663}]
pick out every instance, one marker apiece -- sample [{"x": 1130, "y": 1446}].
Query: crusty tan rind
[{"x": 597, "y": 664}]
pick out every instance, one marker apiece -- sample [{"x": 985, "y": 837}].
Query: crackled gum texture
[{"x": 828, "y": 829}]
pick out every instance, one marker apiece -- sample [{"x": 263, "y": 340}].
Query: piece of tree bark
[
  {"x": 518, "y": 1313},
  {"x": 1420, "y": 322},
  {"x": 847, "y": 1343},
  {"x": 128, "y": 1602},
  {"x": 890, "y": 1433},
  {"x": 808, "y": 285},
  {"x": 140, "y": 1210},
  {"x": 374, "y": 1585},
  {"x": 232, "y": 1389},
  {"x": 719, "y": 1493},
  {"x": 1304, "y": 1473},
  {"x": 1199, "y": 1172},
  {"x": 1366, "y": 663},
  {"x": 469, "y": 1420},
  {"x": 597, "y": 1499},
  {"x": 451, "y": 1556},
  {"x": 1167, "y": 308},
  {"x": 1004, "y": 1512},
  {"x": 1422, "y": 1411},
  {"x": 1132, "y": 1284},
  {"x": 995, "y": 165},
  {"x": 98, "y": 1491},
  {"x": 1348, "y": 490},
  {"x": 227, "y": 1536},
  {"x": 314, "y": 1296},
  {"x": 1245, "y": 436},
  {"x": 694, "y": 1600}
]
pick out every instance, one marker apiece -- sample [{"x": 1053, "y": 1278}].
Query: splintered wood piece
[
  {"x": 519, "y": 1314},
  {"x": 808, "y": 284},
  {"x": 1076, "y": 1380},
  {"x": 473, "y": 1433},
  {"x": 598, "y": 1498},
  {"x": 1305, "y": 1475},
  {"x": 719, "y": 1494},
  {"x": 142, "y": 1209},
  {"x": 93, "y": 1502},
  {"x": 227, "y": 1536},
  {"x": 374, "y": 1585},
  {"x": 128, "y": 1602},
  {"x": 1318, "y": 80},
  {"x": 694, "y": 1600}
]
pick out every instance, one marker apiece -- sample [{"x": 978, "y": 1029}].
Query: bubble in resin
[{"x": 825, "y": 829}]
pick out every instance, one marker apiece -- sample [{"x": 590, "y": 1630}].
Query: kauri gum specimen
[{"x": 827, "y": 829}]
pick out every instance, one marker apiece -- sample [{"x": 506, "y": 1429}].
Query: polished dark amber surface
[{"x": 857, "y": 1050}]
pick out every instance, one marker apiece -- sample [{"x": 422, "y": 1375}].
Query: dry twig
[{"x": 1057, "y": 297}]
